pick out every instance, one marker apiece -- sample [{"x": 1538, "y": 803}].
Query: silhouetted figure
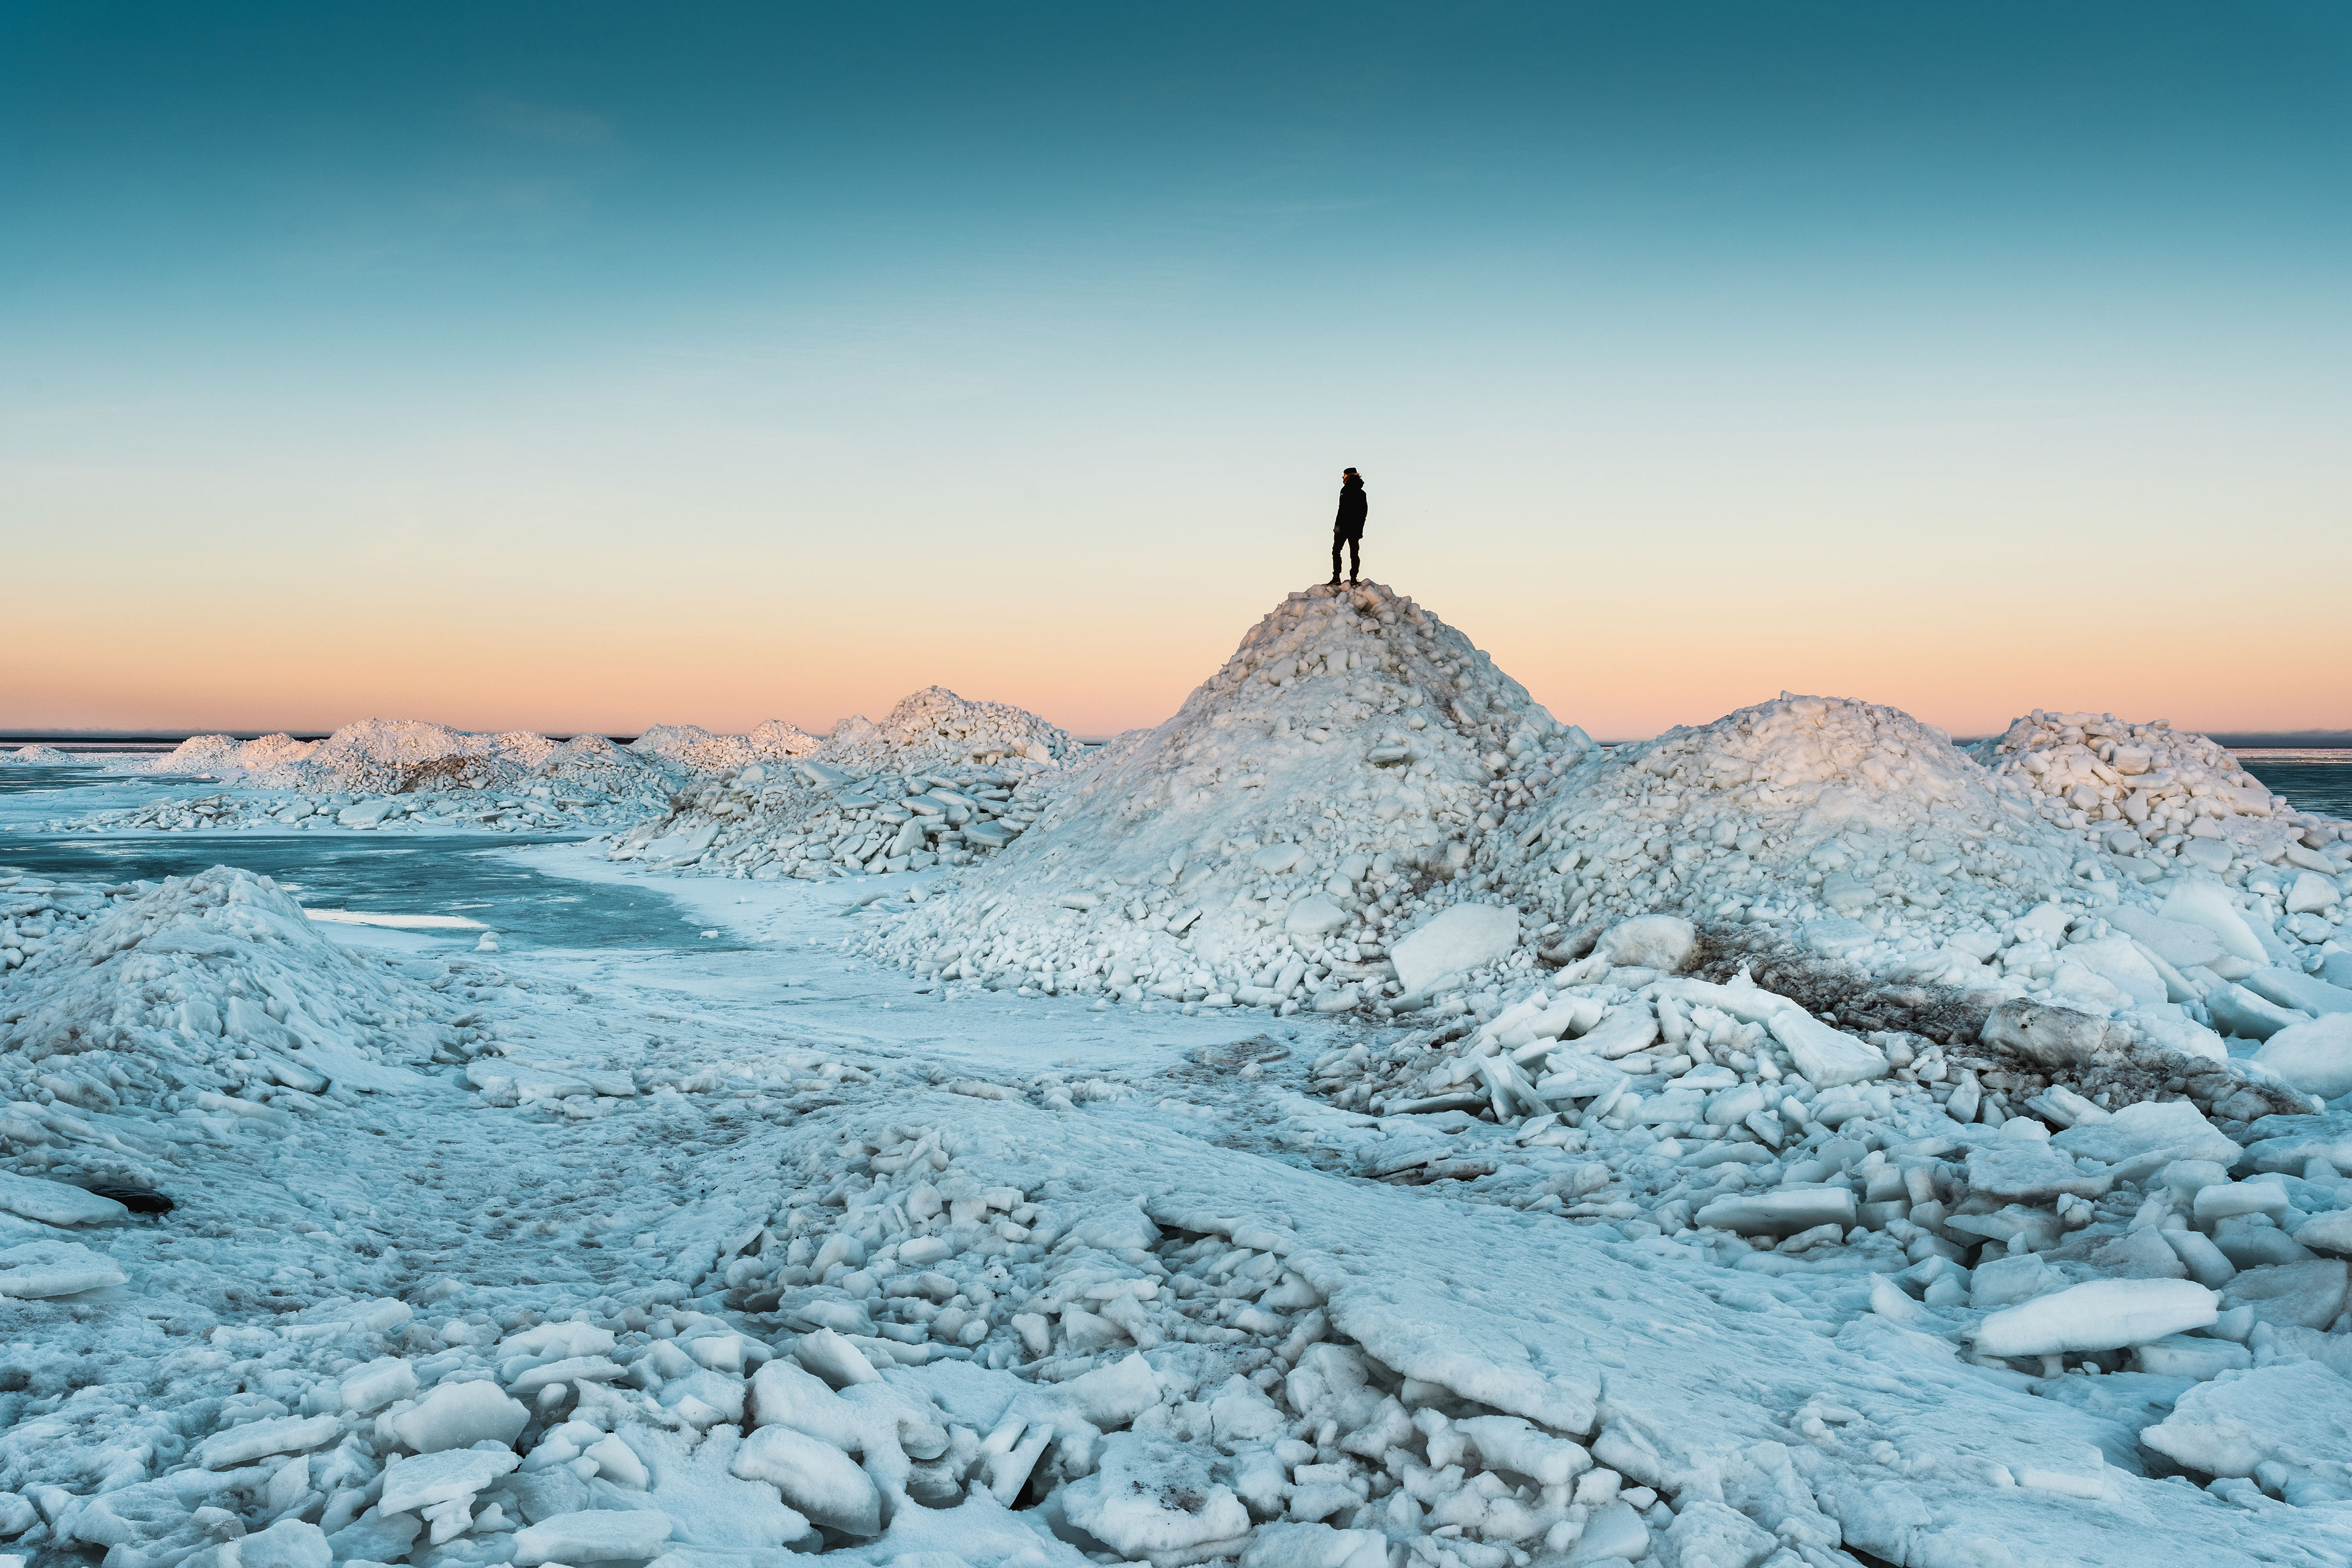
[{"x": 1347, "y": 528}]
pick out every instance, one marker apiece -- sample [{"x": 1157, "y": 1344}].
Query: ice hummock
[{"x": 1353, "y": 755}]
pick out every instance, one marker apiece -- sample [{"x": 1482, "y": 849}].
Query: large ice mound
[
  {"x": 159, "y": 995},
  {"x": 1852, "y": 826},
  {"x": 936, "y": 728},
  {"x": 2154, "y": 800},
  {"x": 1353, "y": 752}
]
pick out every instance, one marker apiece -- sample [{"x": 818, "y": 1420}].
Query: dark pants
[{"x": 1355, "y": 544}]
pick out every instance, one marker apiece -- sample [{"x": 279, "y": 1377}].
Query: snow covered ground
[{"x": 1359, "y": 1124}]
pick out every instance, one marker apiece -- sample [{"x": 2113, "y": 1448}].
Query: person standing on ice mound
[{"x": 1347, "y": 528}]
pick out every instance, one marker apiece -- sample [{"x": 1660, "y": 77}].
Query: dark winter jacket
[{"x": 1350, "y": 523}]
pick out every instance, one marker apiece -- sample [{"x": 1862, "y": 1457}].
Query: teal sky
[{"x": 589, "y": 366}]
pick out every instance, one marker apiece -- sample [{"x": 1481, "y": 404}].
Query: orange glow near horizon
[{"x": 1605, "y": 632}]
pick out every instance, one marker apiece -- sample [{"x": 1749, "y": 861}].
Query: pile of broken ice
[{"x": 939, "y": 781}]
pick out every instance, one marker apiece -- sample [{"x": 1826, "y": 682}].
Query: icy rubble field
[
  {"x": 394, "y": 774},
  {"x": 1358, "y": 1123},
  {"x": 668, "y": 1258}
]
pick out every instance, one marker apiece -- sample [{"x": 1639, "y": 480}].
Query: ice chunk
[
  {"x": 2118, "y": 961},
  {"x": 1509, "y": 1443},
  {"x": 1621, "y": 1031},
  {"x": 255, "y": 1439},
  {"x": 2297, "y": 1415},
  {"x": 2314, "y": 1057},
  {"x": 815, "y": 1478},
  {"x": 1663, "y": 943},
  {"x": 377, "y": 1537},
  {"x": 2291, "y": 988},
  {"x": 784, "y": 1395},
  {"x": 2306, "y": 1295},
  {"x": 598, "y": 1535},
  {"x": 2240, "y": 1012},
  {"x": 2053, "y": 1036},
  {"x": 1238, "y": 1413},
  {"x": 54, "y": 1203},
  {"x": 833, "y": 1359},
  {"x": 1826, "y": 1057},
  {"x": 288, "y": 1543},
  {"x": 1464, "y": 938},
  {"x": 1615, "y": 1531},
  {"x": 1114, "y": 1395},
  {"x": 2142, "y": 1137},
  {"x": 2025, "y": 1171},
  {"x": 2177, "y": 943},
  {"x": 2212, "y": 906},
  {"x": 1783, "y": 1211},
  {"x": 458, "y": 1415},
  {"x": 2006, "y": 1280},
  {"x": 2102, "y": 1315},
  {"x": 2327, "y": 1232},
  {"x": 426, "y": 1478},
  {"x": 1116, "y": 1230},
  {"x": 35, "y": 1270},
  {"x": 1314, "y": 915},
  {"x": 1288, "y": 1544},
  {"x": 566, "y": 1339},
  {"x": 377, "y": 1383},
  {"x": 2189, "y": 1355},
  {"x": 1148, "y": 1495},
  {"x": 1706, "y": 1531}
]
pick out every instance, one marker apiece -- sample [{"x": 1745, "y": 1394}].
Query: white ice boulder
[
  {"x": 2163, "y": 1032},
  {"x": 815, "y": 1478},
  {"x": 2214, "y": 906},
  {"x": 1464, "y": 938},
  {"x": 54, "y": 1203},
  {"x": 2330, "y": 1232},
  {"x": 1663, "y": 943},
  {"x": 1621, "y": 1031},
  {"x": 1826, "y": 1057},
  {"x": 2190, "y": 1355},
  {"x": 457, "y": 1415},
  {"x": 1149, "y": 1495},
  {"x": 2179, "y": 943},
  {"x": 2305, "y": 992},
  {"x": 2297, "y": 1414},
  {"x": 2307, "y": 1294},
  {"x": 593, "y": 1535},
  {"x": 2312, "y": 893},
  {"x": 2118, "y": 961},
  {"x": 288, "y": 1543},
  {"x": 2028, "y": 1171},
  {"x": 2141, "y": 1137},
  {"x": 423, "y": 1479},
  {"x": 2102, "y": 1315},
  {"x": 1783, "y": 1211},
  {"x": 37, "y": 1270},
  {"x": 377, "y": 1383},
  {"x": 1706, "y": 1531},
  {"x": 271, "y": 1435},
  {"x": 1111, "y": 1396},
  {"x": 1292, "y": 1544},
  {"x": 1314, "y": 916},
  {"x": 2249, "y": 1016},
  {"x": 2314, "y": 1057},
  {"x": 2051, "y": 1037}
]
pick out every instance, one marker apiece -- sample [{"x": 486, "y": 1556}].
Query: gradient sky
[{"x": 582, "y": 366}]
